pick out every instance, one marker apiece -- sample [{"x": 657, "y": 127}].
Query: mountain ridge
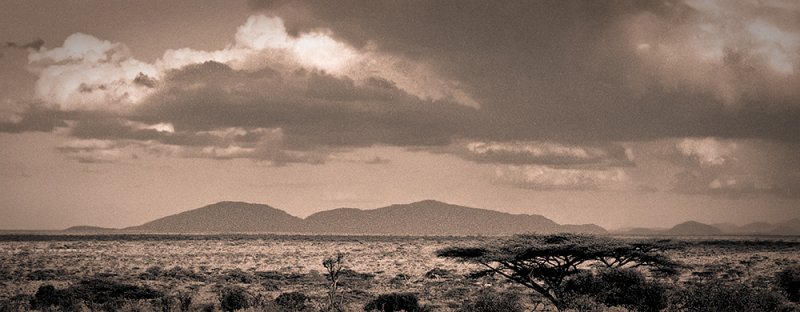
[{"x": 426, "y": 217}]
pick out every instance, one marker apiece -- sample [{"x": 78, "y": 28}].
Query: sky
[{"x": 617, "y": 113}]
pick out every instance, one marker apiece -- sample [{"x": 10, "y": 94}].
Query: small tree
[
  {"x": 544, "y": 262},
  {"x": 334, "y": 266}
]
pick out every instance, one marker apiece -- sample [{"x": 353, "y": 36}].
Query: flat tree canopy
[{"x": 544, "y": 262}]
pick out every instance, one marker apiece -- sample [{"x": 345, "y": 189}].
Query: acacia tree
[{"x": 544, "y": 262}]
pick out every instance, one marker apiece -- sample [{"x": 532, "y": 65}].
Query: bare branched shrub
[{"x": 333, "y": 267}]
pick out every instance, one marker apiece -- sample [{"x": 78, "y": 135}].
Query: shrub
[
  {"x": 626, "y": 288},
  {"x": 20, "y": 302},
  {"x": 105, "y": 293},
  {"x": 438, "y": 273},
  {"x": 234, "y": 298},
  {"x": 108, "y": 292},
  {"x": 789, "y": 282},
  {"x": 184, "y": 301},
  {"x": 721, "y": 296},
  {"x": 152, "y": 273},
  {"x": 292, "y": 301},
  {"x": 491, "y": 301},
  {"x": 47, "y": 275},
  {"x": 394, "y": 302},
  {"x": 48, "y": 296},
  {"x": 238, "y": 276}
]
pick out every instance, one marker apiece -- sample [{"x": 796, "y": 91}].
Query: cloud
[
  {"x": 545, "y": 153},
  {"x": 540, "y": 177},
  {"x": 20, "y": 117},
  {"x": 552, "y": 94},
  {"x": 92, "y": 151},
  {"x": 319, "y": 95},
  {"x": 707, "y": 151},
  {"x": 87, "y": 73},
  {"x": 36, "y": 44},
  {"x": 622, "y": 71},
  {"x": 735, "y": 51},
  {"x": 736, "y": 168}
]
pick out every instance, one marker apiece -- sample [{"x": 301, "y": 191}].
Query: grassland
[{"x": 201, "y": 267}]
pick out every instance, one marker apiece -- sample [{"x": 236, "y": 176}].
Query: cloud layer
[{"x": 553, "y": 95}]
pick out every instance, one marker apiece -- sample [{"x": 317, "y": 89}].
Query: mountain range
[{"x": 428, "y": 217}]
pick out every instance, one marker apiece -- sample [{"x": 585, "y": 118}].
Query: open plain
[{"x": 203, "y": 267}]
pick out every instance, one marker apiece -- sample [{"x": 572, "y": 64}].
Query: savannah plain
[{"x": 194, "y": 272}]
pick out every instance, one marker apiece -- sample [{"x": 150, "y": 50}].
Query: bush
[
  {"x": 626, "y": 288},
  {"x": 234, "y": 298},
  {"x": 48, "y": 296},
  {"x": 106, "y": 293},
  {"x": 292, "y": 301},
  {"x": 789, "y": 281},
  {"x": 238, "y": 276},
  {"x": 491, "y": 301},
  {"x": 394, "y": 302},
  {"x": 721, "y": 296}
]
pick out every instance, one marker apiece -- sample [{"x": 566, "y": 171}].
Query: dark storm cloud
[
  {"x": 586, "y": 70},
  {"x": 313, "y": 109}
]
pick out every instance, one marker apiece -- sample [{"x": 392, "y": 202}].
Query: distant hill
[
  {"x": 582, "y": 228},
  {"x": 789, "y": 227},
  {"x": 689, "y": 228},
  {"x": 85, "y": 229},
  {"x": 226, "y": 216},
  {"x": 693, "y": 228},
  {"x": 427, "y": 217},
  {"x": 640, "y": 231}
]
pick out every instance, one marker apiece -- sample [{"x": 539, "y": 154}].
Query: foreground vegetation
[{"x": 277, "y": 273}]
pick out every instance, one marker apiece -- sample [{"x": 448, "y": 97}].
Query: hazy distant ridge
[{"x": 694, "y": 228}]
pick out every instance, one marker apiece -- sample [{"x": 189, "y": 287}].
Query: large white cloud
[{"x": 87, "y": 73}]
